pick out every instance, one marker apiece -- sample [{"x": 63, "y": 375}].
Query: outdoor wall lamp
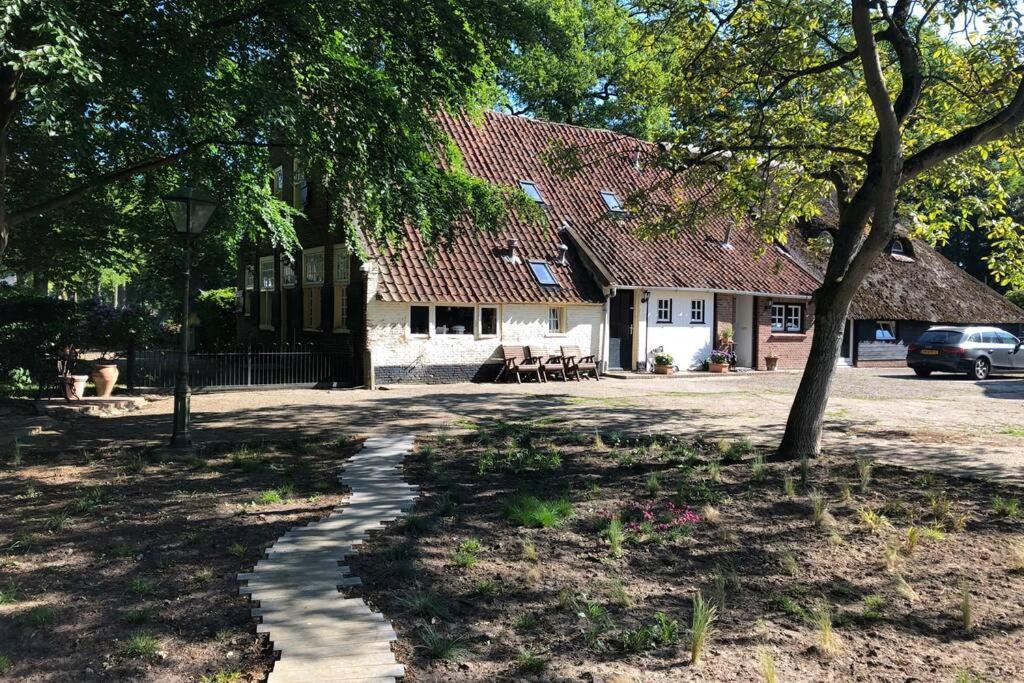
[{"x": 189, "y": 209}]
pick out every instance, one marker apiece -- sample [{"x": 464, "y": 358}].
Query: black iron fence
[{"x": 250, "y": 366}]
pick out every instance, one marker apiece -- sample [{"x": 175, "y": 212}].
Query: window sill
[
  {"x": 697, "y": 322},
  {"x": 311, "y": 329},
  {"x": 341, "y": 330},
  {"x": 267, "y": 328},
  {"x": 487, "y": 336},
  {"x": 789, "y": 334},
  {"x": 556, "y": 335}
]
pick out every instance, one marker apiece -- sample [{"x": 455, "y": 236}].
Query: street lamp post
[{"x": 189, "y": 210}]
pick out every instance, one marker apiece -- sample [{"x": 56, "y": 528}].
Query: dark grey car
[{"x": 976, "y": 351}]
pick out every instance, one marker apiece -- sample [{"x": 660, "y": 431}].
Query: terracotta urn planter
[
  {"x": 104, "y": 376},
  {"x": 718, "y": 367},
  {"x": 771, "y": 362},
  {"x": 664, "y": 370},
  {"x": 74, "y": 386}
]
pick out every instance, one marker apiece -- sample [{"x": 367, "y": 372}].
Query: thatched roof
[{"x": 920, "y": 285}]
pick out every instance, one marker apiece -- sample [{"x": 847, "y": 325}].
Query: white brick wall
[
  {"x": 391, "y": 343},
  {"x": 689, "y": 343}
]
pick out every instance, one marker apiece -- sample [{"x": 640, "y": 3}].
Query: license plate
[{"x": 930, "y": 352}]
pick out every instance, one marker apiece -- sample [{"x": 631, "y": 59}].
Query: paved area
[
  {"x": 322, "y": 636},
  {"x": 943, "y": 422}
]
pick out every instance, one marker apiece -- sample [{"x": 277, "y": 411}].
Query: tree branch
[{"x": 997, "y": 126}]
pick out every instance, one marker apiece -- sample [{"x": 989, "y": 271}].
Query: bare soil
[
  {"x": 776, "y": 570},
  {"x": 98, "y": 547}
]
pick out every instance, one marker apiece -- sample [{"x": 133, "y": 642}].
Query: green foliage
[
  {"x": 701, "y": 626},
  {"x": 529, "y": 662},
  {"x": 424, "y": 605},
  {"x": 439, "y": 645},
  {"x": 874, "y": 606},
  {"x": 5, "y": 664},
  {"x": 465, "y": 555},
  {"x": 10, "y": 593},
  {"x": 531, "y": 511},
  {"x": 215, "y": 310},
  {"x": 225, "y": 676},
  {"x": 1006, "y": 507},
  {"x": 519, "y": 459},
  {"x": 141, "y": 645}
]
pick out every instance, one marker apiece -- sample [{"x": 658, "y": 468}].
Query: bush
[
  {"x": 31, "y": 326},
  {"x": 215, "y": 309},
  {"x": 663, "y": 359}
]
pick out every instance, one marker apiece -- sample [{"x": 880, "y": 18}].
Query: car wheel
[
  {"x": 980, "y": 369},
  {"x": 922, "y": 372}
]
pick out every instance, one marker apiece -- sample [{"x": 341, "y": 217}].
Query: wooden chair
[
  {"x": 518, "y": 363},
  {"x": 550, "y": 364},
  {"x": 577, "y": 365}
]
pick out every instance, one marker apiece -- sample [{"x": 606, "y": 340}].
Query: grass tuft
[
  {"x": 758, "y": 468},
  {"x": 828, "y": 641},
  {"x": 819, "y": 510},
  {"x": 141, "y": 645},
  {"x": 528, "y": 662},
  {"x": 529, "y": 550},
  {"x": 424, "y": 605},
  {"x": 465, "y": 555},
  {"x": 789, "y": 486},
  {"x": 653, "y": 485},
  {"x": 5, "y": 664},
  {"x": 534, "y": 512},
  {"x": 616, "y": 535},
  {"x": 701, "y": 626},
  {"x": 766, "y": 665},
  {"x": 1006, "y": 507},
  {"x": 36, "y": 617},
  {"x": 438, "y": 645},
  {"x": 966, "y": 611},
  {"x": 865, "y": 465},
  {"x": 872, "y": 521}
]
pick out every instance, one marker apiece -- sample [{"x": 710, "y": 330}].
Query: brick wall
[
  {"x": 398, "y": 356},
  {"x": 725, "y": 314},
  {"x": 792, "y": 348}
]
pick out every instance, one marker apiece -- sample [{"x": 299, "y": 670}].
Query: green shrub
[
  {"x": 531, "y": 511},
  {"x": 519, "y": 459},
  {"x": 141, "y": 645},
  {"x": 438, "y": 645},
  {"x": 215, "y": 309},
  {"x": 5, "y": 664}
]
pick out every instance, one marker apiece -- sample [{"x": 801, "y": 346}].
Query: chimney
[
  {"x": 513, "y": 246},
  {"x": 563, "y": 251}
]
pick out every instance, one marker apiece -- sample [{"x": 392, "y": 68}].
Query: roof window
[
  {"x": 901, "y": 249},
  {"x": 542, "y": 271},
  {"x": 531, "y": 190},
  {"x": 612, "y": 201}
]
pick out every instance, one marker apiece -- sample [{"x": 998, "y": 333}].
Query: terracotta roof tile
[{"x": 506, "y": 149}]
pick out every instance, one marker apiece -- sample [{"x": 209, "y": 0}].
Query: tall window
[
  {"x": 279, "y": 182},
  {"x": 266, "y": 292},
  {"x": 419, "y": 320},
  {"x": 778, "y": 317},
  {"x": 341, "y": 282},
  {"x": 312, "y": 288},
  {"x": 664, "y": 310},
  {"x": 556, "y": 320},
  {"x": 250, "y": 285},
  {"x": 697, "y": 311},
  {"x": 300, "y": 188},
  {"x": 287, "y": 287}
]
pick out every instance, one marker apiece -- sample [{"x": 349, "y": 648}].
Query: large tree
[
  {"x": 881, "y": 105},
  {"x": 112, "y": 102}
]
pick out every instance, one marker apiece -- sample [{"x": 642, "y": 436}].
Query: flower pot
[
  {"x": 74, "y": 386},
  {"x": 718, "y": 367},
  {"x": 104, "y": 376},
  {"x": 771, "y": 362},
  {"x": 664, "y": 369}
]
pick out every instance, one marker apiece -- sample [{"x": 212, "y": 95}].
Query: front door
[
  {"x": 620, "y": 330},
  {"x": 743, "y": 334}
]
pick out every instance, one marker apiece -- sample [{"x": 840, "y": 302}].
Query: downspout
[{"x": 647, "y": 326}]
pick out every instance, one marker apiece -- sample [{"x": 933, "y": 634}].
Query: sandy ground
[{"x": 944, "y": 422}]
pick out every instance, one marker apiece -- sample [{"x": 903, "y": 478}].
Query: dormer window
[
  {"x": 897, "y": 247},
  {"x": 531, "y": 190},
  {"x": 901, "y": 249},
  {"x": 542, "y": 271},
  {"x": 611, "y": 200}
]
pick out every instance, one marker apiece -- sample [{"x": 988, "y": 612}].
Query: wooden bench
[
  {"x": 516, "y": 362},
  {"x": 577, "y": 365},
  {"x": 550, "y": 364}
]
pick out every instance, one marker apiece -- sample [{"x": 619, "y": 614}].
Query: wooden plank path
[{"x": 324, "y": 637}]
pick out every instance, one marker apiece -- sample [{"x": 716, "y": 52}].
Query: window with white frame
[
  {"x": 419, "y": 320},
  {"x": 341, "y": 282},
  {"x": 885, "y": 330},
  {"x": 300, "y": 188},
  {"x": 266, "y": 292},
  {"x": 664, "y": 310},
  {"x": 312, "y": 288},
  {"x": 778, "y": 317},
  {"x": 250, "y": 285},
  {"x": 453, "y": 319},
  {"x": 287, "y": 273},
  {"x": 697, "y": 311},
  {"x": 488, "y": 326},
  {"x": 556, "y": 320},
  {"x": 279, "y": 182},
  {"x": 794, "y": 318},
  {"x": 531, "y": 190}
]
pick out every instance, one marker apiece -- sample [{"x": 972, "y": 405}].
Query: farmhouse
[{"x": 582, "y": 276}]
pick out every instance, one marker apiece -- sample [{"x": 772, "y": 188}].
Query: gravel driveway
[{"x": 942, "y": 422}]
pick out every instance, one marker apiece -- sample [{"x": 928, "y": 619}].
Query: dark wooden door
[{"x": 620, "y": 331}]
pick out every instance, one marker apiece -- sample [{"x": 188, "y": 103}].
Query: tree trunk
[{"x": 804, "y": 426}]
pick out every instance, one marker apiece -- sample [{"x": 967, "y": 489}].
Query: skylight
[
  {"x": 612, "y": 200},
  {"x": 542, "y": 271},
  {"x": 531, "y": 190}
]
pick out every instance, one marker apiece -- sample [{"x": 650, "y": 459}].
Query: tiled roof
[{"x": 506, "y": 149}]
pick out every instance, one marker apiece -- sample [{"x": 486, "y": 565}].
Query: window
[
  {"x": 419, "y": 319},
  {"x": 612, "y": 201},
  {"x": 897, "y": 247},
  {"x": 885, "y": 330},
  {"x": 531, "y": 190},
  {"x": 794, "y": 318},
  {"x": 697, "y": 311},
  {"x": 664, "y": 310},
  {"x": 312, "y": 288},
  {"x": 300, "y": 188},
  {"x": 266, "y": 292},
  {"x": 250, "y": 285},
  {"x": 941, "y": 337},
  {"x": 341, "y": 281},
  {"x": 778, "y": 317},
  {"x": 287, "y": 273},
  {"x": 488, "y": 321},
  {"x": 453, "y": 319},
  {"x": 542, "y": 271},
  {"x": 279, "y": 182},
  {"x": 1004, "y": 337},
  {"x": 556, "y": 320}
]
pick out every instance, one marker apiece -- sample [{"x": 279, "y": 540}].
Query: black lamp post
[{"x": 189, "y": 209}]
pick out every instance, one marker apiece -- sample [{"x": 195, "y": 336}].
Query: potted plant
[
  {"x": 771, "y": 361},
  {"x": 663, "y": 364},
  {"x": 725, "y": 338},
  {"x": 719, "y": 361}
]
